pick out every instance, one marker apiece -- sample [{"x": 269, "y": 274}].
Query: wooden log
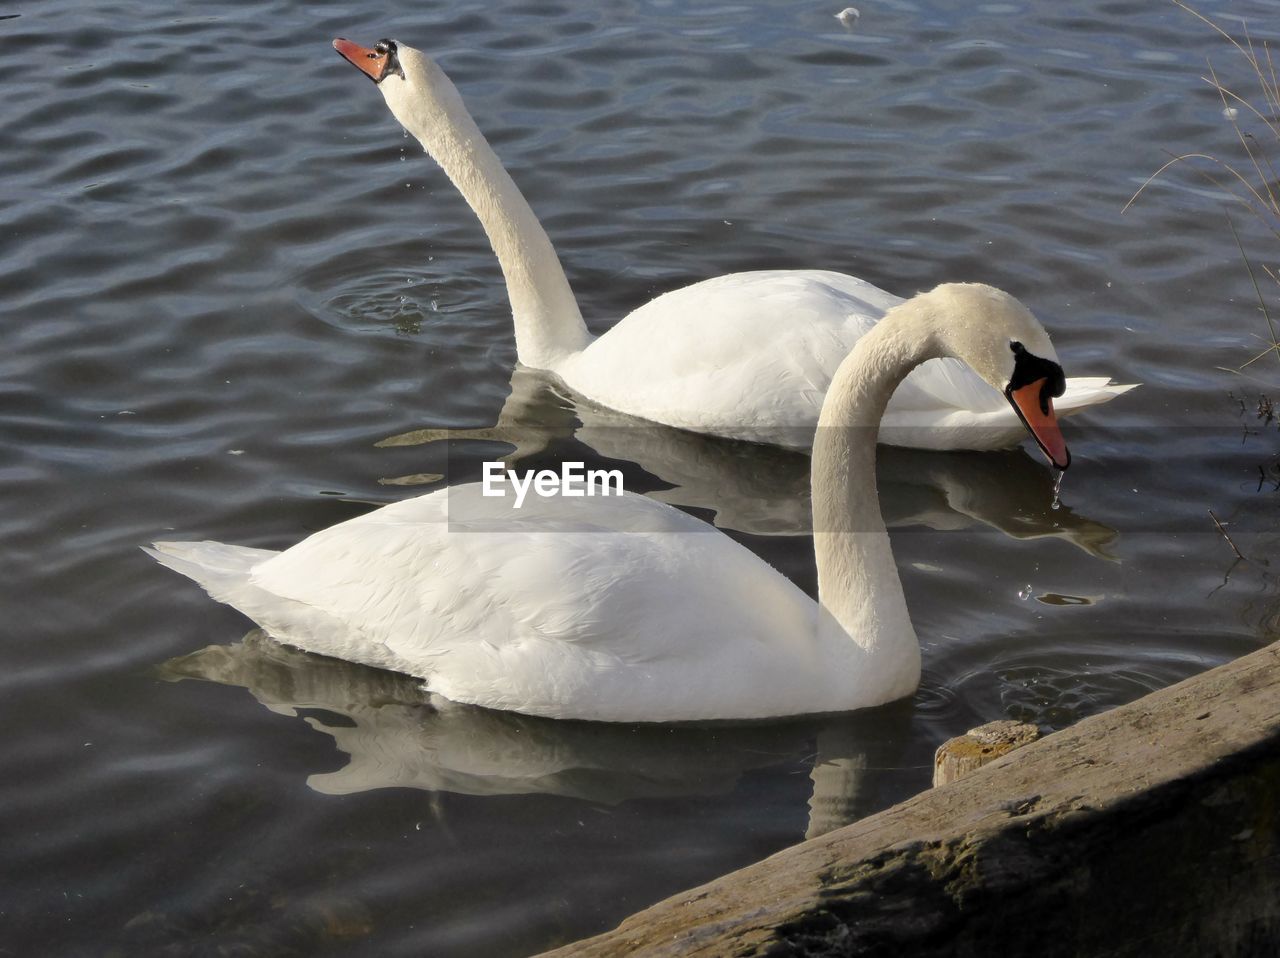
[
  {"x": 1150, "y": 829},
  {"x": 978, "y": 747}
]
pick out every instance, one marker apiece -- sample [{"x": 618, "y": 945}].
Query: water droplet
[
  {"x": 1057, "y": 491},
  {"x": 1025, "y": 592}
]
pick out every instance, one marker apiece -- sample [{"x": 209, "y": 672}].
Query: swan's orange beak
[
  {"x": 370, "y": 62},
  {"x": 1035, "y": 409}
]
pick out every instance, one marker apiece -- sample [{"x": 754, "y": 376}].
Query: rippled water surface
[{"x": 235, "y": 301}]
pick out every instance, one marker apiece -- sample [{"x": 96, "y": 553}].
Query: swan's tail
[
  {"x": 227, "y": 573},
  {"x": 1088, "y": 391},
  {"x": 990, "y": 422},
  {"x": 221, "y": 570}
]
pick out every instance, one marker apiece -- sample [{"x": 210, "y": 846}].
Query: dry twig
[{"x": 1238, "y": 553}]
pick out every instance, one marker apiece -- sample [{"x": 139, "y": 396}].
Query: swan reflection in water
[
  {"x": 764, "y": 490},
  {"x": 400, "y": 736}
]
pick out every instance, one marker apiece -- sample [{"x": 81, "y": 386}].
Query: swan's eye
[
  {"x": 1017, "y": 348},
  {"x": 387, "y": 49}
]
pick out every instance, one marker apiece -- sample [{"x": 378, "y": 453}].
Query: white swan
[
  {"x": 626, "y": 609},
  {"x": 747, "y": 355}
]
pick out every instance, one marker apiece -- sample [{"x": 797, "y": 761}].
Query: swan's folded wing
[
  {"x": 731, "y": 355},
  {"x": 942, "y": 385},
  {"x": 532, "y": 612}
]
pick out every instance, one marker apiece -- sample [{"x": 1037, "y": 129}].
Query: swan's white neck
[
  {"x": 548, "y": 325},
  {"x": 858, "y": 584}
]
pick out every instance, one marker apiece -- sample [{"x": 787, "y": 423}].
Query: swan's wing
[
  {"x": 750, "y": 356},
  {"x": 736, "y": 355},
  {"x": 609, "y": 608},
  {"x": 944, "y": 385}
]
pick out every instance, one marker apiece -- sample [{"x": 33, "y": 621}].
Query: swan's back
[
  {"x": 747, "y": 355},
  {"x": 617, "y": 609},
  {"x": 750, "y": 356}
]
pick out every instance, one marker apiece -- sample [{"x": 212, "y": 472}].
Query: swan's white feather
[
  {"x": 750, "y": 356},
  {"x": 617, "y": 609}
]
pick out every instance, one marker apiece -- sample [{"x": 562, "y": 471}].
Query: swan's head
[
  {"x": 415, "y": 88},
  {"x": 378, "y": 63},
  {"x": 1005, "y": 345}
]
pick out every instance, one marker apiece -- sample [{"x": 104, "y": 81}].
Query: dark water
[{"x": 227, "y": 280}]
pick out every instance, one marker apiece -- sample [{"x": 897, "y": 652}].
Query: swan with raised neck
[
  {"x": 548, "y": 325},
  {"x": 627, "y": 609},
  {"x": 745, "y": 355}
]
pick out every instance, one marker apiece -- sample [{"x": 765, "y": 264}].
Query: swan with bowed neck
[
  {"x": 626, "y": 609},
  {"x": 747, "y": 355}
]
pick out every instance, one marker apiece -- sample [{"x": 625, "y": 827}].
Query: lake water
[{"x": 233, "y": 295}]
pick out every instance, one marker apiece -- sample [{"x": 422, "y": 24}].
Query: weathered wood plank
[{"x": 1153, "y": 828}]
